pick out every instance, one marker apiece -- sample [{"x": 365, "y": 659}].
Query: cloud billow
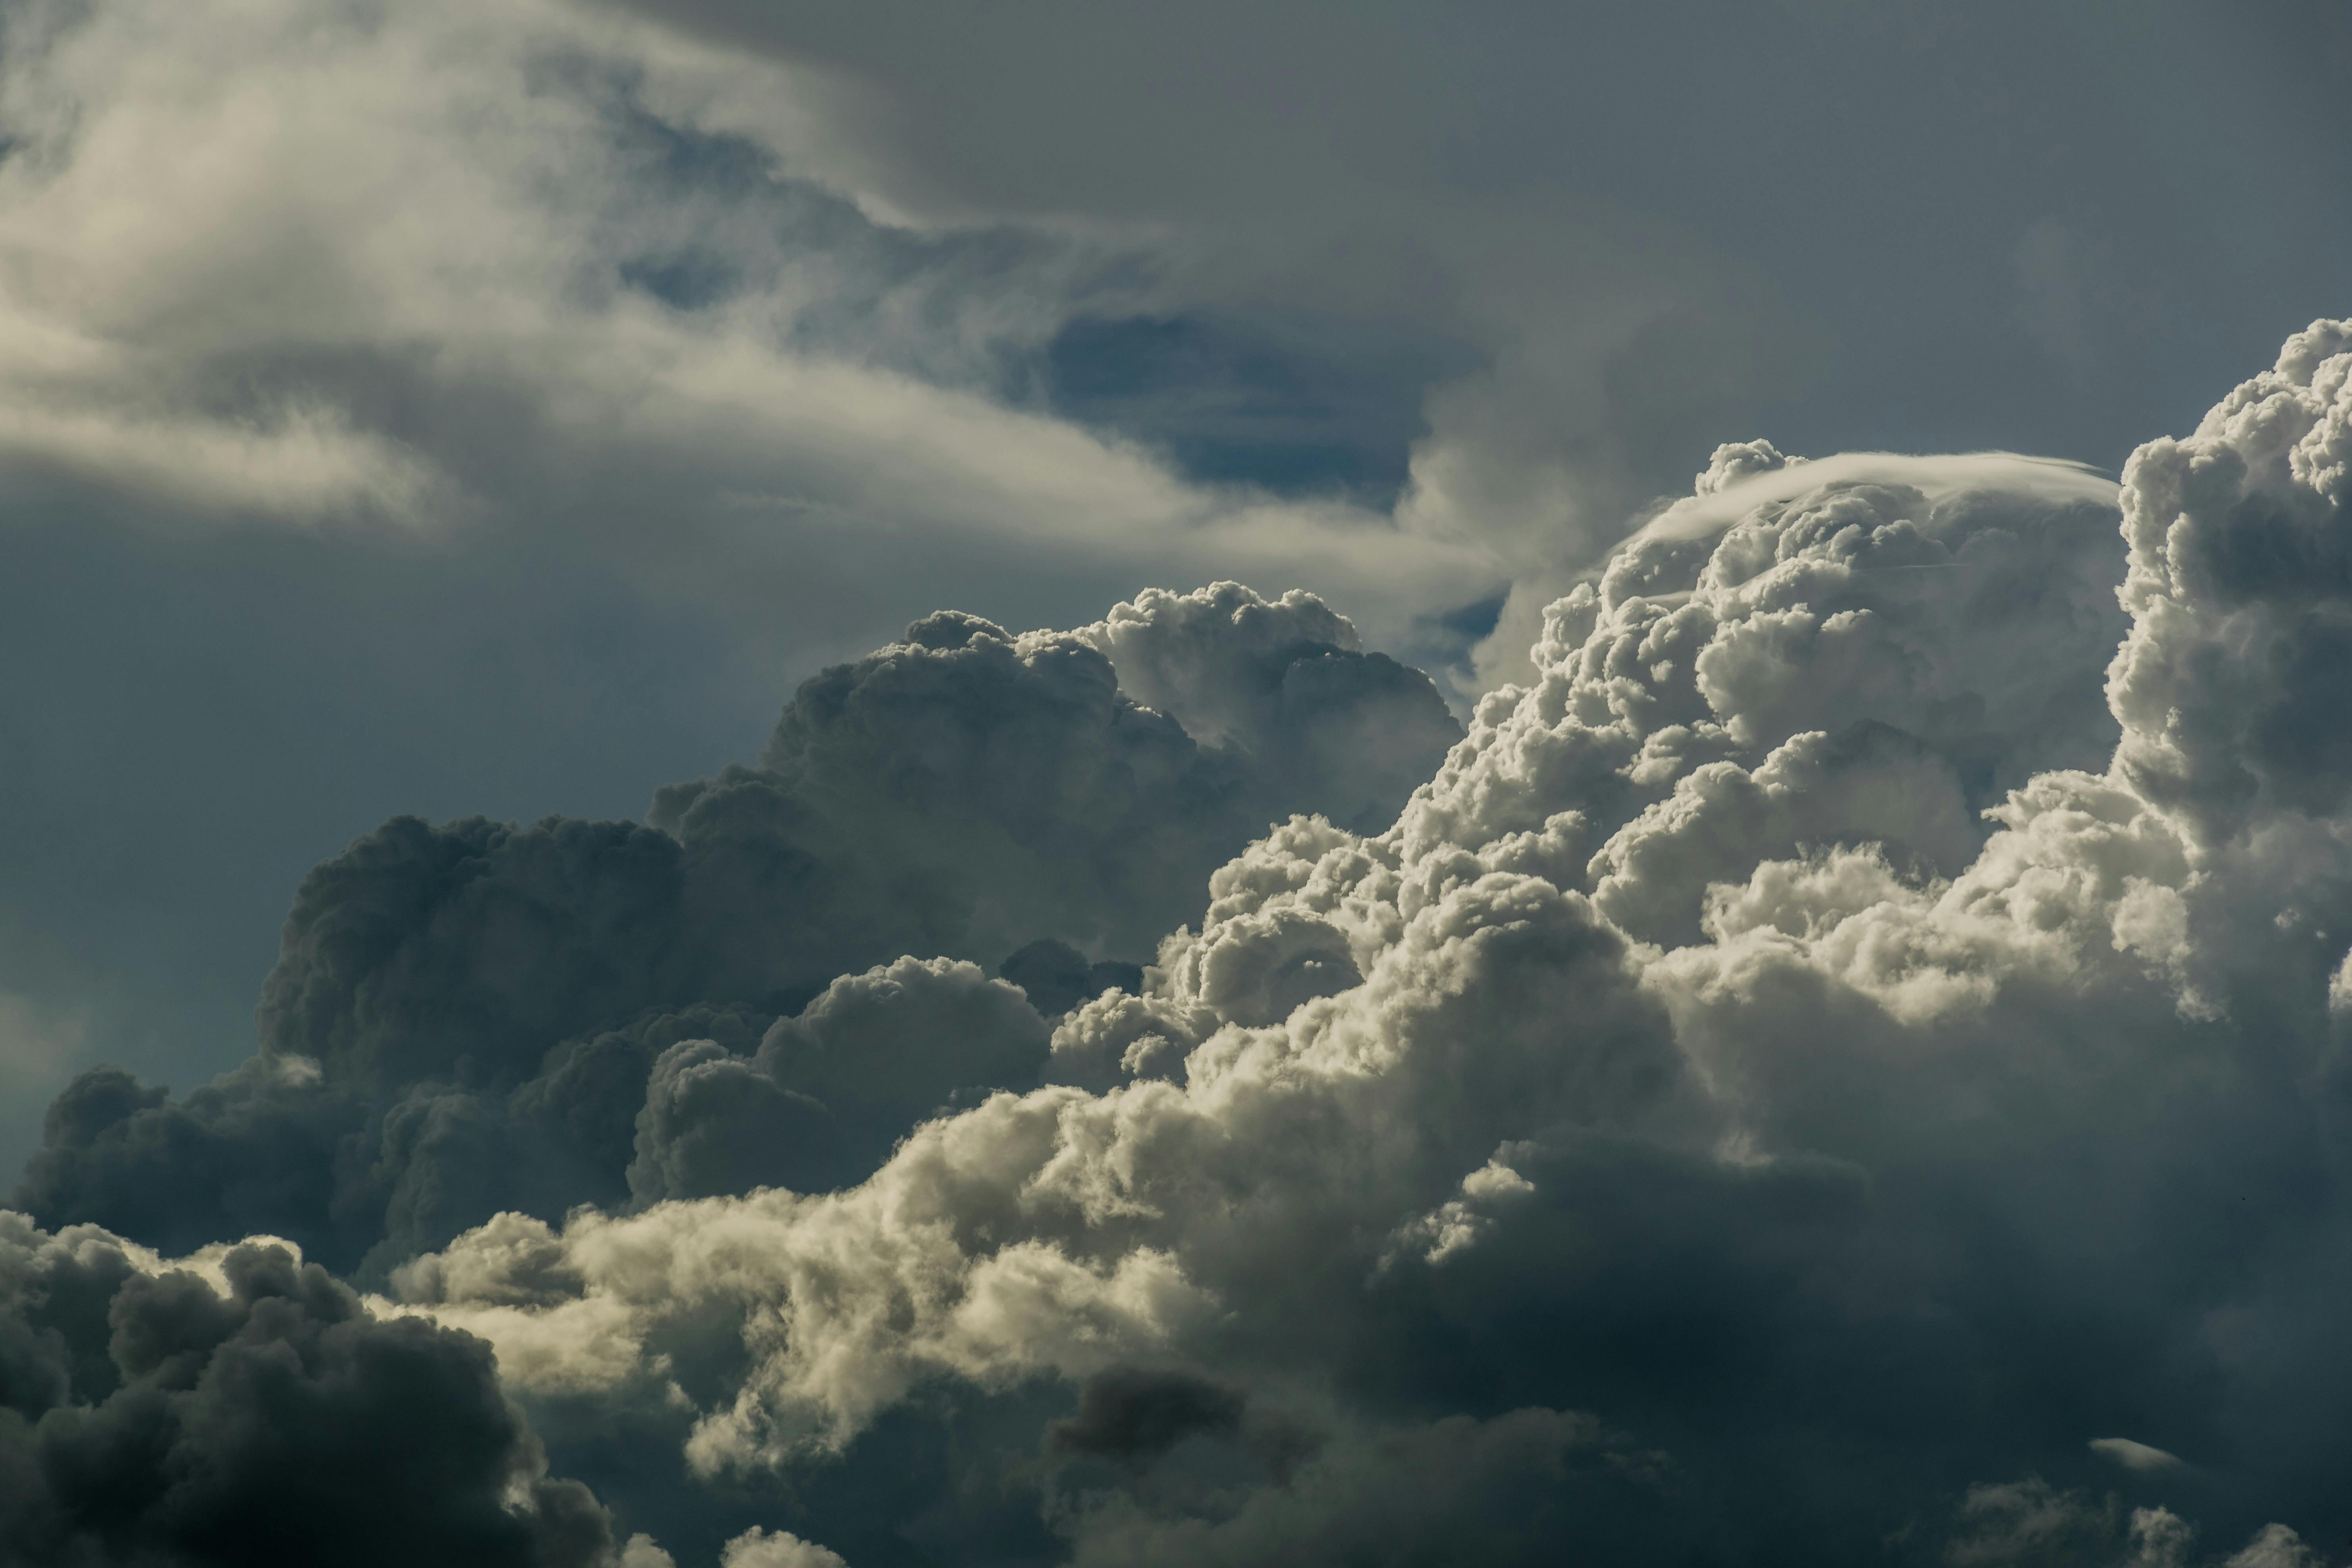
[
  {"x": 252, "y": 1409},
  {"x": 1844, "y": 1064},
  {"x": 466, "y": 1017}
]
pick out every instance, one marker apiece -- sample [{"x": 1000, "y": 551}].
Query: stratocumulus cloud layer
[{"x": 1844, "y": 1065}]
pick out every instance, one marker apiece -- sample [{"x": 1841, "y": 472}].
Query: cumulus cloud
[
  {"x": 640, "y": 342},
  {"x": 1850, "y": 1034},
  {"x": 2238, "y": 583},
  {"x": 830, "y": 1091},
  {"x": 480, "y": 1016},
  {"x": 243, "y": 1406}
]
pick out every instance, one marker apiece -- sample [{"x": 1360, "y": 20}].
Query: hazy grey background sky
[{"x": 445, "y": 409}]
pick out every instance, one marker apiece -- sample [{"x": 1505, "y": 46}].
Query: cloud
[
  {"x": 656, "y": 356},
  {"x": 2133, "y": 1456},
  {"x": 829, "y": 1092},
  {"x": 2239, "y": 578},
  {"x": 1743, "y": 476},
  {"x": 1137, "y": 1412},
  {"x": 1601, "y": 979},
  {"x": 255, "y": 270},
  {"x": 472, "y": 1016},
  {"x": 1625, "y": 298},
  {"x": 1286, "y": 683},
  {"x": 2029, "y": 1521},
  {"x": 757, "y": 1548},
  {"x": 248, "y": 1406},
  {"x": 1456, "y": 1487},
  {"x": 1857, "y": 1021}
]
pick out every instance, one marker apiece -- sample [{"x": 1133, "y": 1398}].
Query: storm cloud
[
  {"x": 242, "y": 1407},
  {"x": 1845, "y": 1065},
  {"x": 1611, "y": 989}
]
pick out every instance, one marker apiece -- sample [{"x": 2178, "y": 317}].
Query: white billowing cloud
[
  {"x": 2339, "y": 987},
  {"x": 872, "y": 1289},
  {"x": 1180, "y": 653},
  {"x": 2234, "y": 670},
  {"x": 1804, "y": 955},
  {"x": 757, "y": 1548},
  {"x": 1360, "y": 1024},
  {"x": 1068, "y": 1231},
  {"x": 1225, "y": 663}
]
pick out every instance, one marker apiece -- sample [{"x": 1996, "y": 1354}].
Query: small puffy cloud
[
  {"x": 1735, "y": 461},
  {"x": 1283, "y": 683},
  {"x": 758, "y": 1548}
]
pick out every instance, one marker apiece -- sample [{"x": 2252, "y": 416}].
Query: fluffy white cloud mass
[{"x": 1844, "y": 1065}]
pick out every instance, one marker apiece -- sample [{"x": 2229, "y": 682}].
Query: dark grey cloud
[
  {"x": 484, "y": 1015},
  {"x": 254, "y": 1412},
  {"x": 1530, "y": 1485},
  {"x": 1139, "y": 1413},
  {"x": 828, "y": 1092},
  {"x": 1056, "y": 977}
]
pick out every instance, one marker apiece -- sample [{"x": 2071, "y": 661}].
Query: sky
[{"x": 843, "y": 749}]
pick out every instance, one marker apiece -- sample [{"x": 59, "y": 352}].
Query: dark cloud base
[{"x": 260, "y": 1416}]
